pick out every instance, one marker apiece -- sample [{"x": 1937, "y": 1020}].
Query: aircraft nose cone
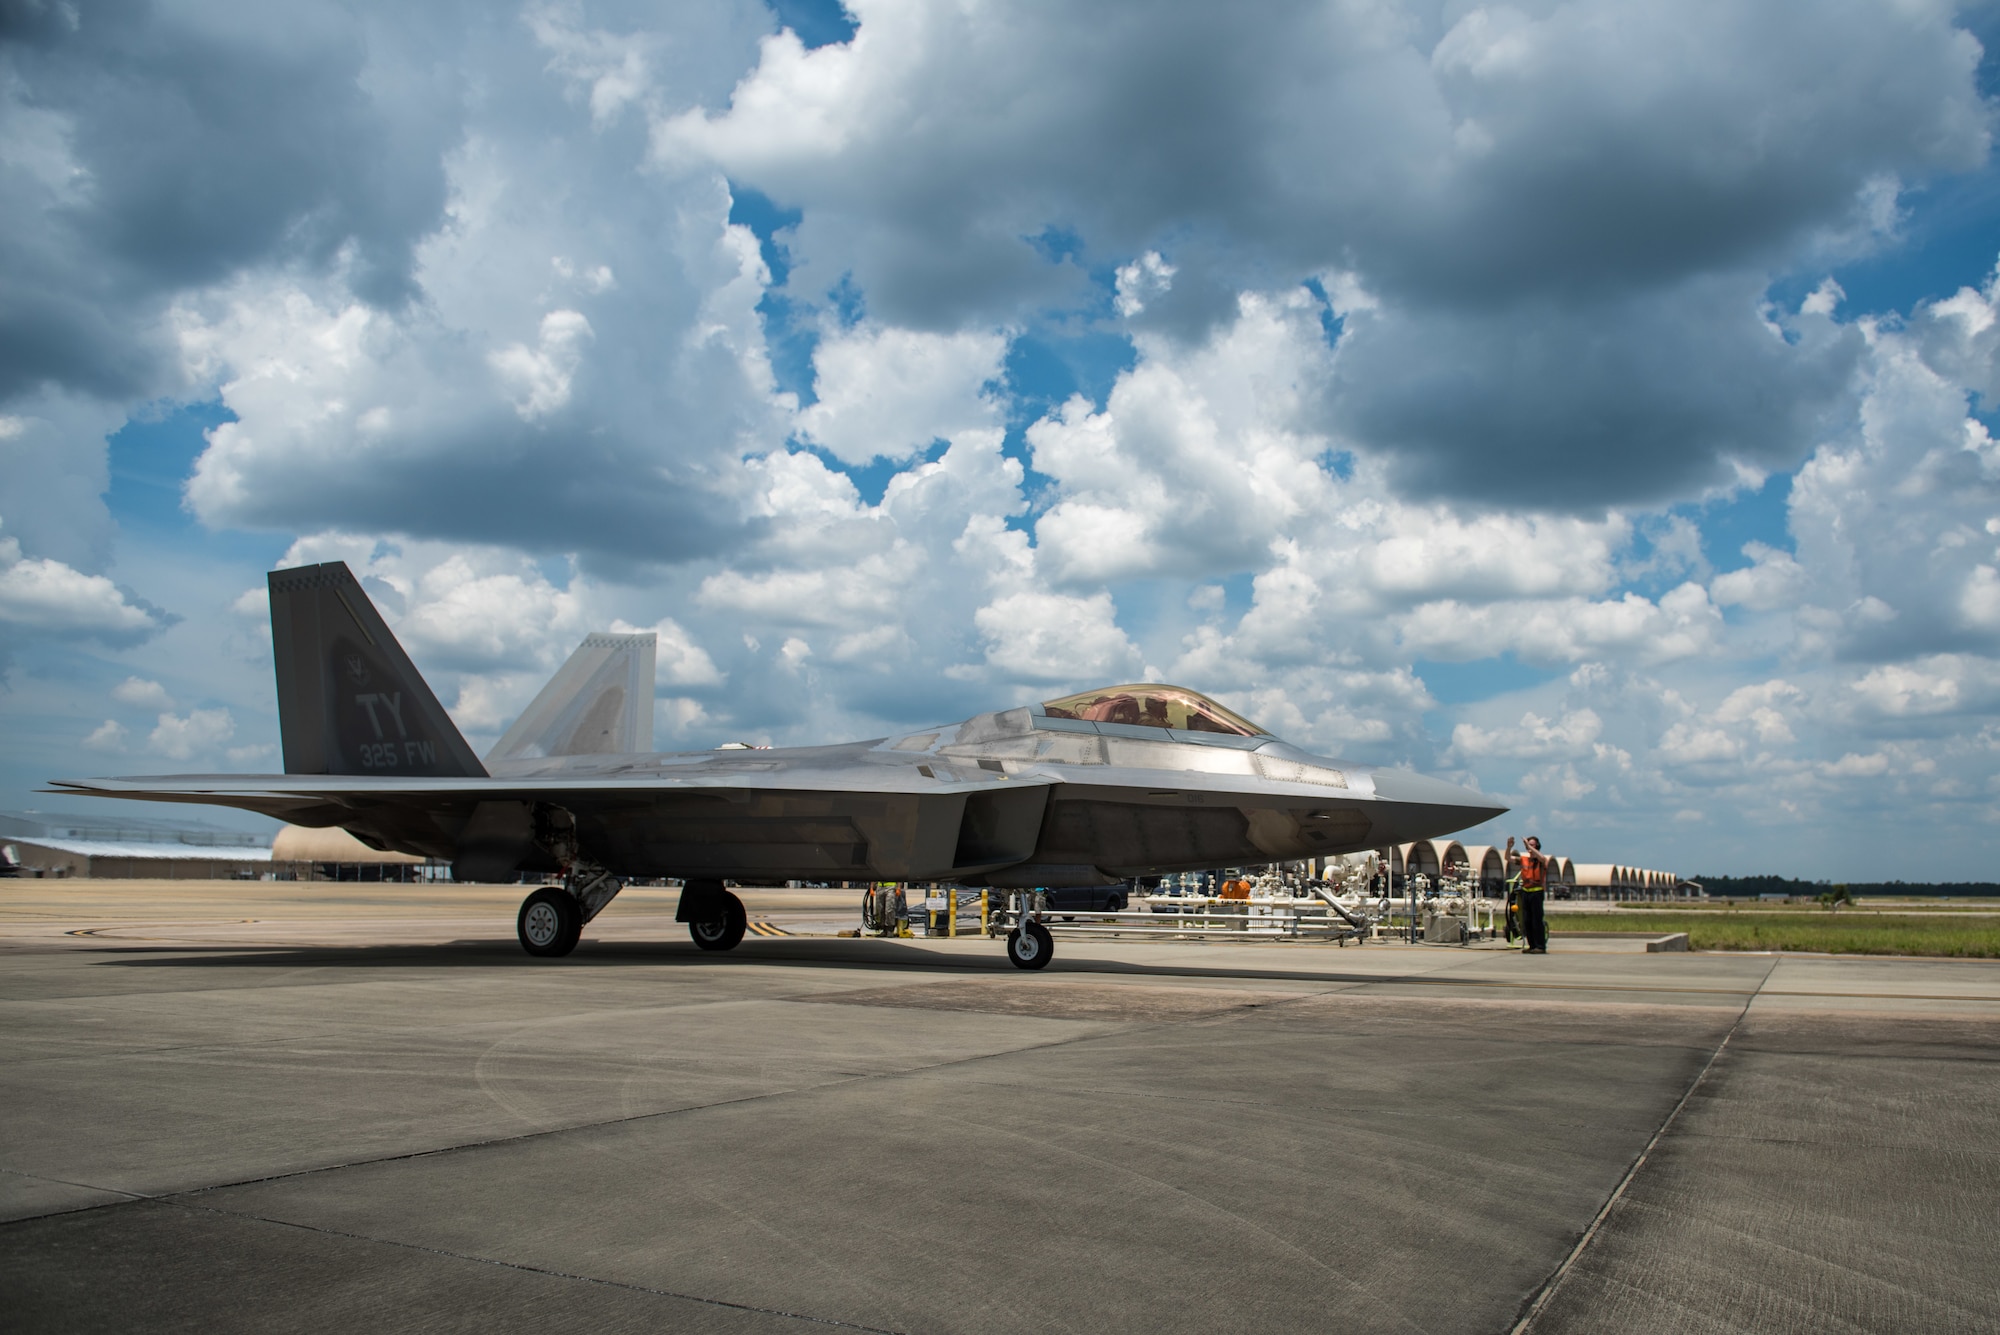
[{"x": 1444, "y": 807}]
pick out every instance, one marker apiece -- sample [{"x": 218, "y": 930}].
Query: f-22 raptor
[{"x": 1089, "y": 789}]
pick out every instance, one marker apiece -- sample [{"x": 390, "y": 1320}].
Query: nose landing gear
[{"x": 1029, "y": 945}]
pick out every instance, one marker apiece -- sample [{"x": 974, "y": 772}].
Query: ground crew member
[{"x": 1533, "y": 891}]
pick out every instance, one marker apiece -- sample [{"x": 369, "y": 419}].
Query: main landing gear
[
  {"x": 551, "y": 919},
  {"x": 715, "y": 918},
  {"x": 1029, "y": 945},
  {"x": 550, "y": 922}
]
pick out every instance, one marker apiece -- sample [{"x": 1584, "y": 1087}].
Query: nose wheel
[
  {"x": 550, "y": 922},
  {"x": 1030, "y": 946}
]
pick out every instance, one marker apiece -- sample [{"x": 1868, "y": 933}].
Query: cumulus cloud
[
  {"x": 1939, "y": 684},
  {"x": 677, "y": 659},
  {"x": 1536, "y": 738},
  {"x": 1895, "y": 521},
  {"x": 1050, "y": 637},
  {"x": 48, "y": 597},
  {"x": 834, "y": 596},
  {"x": 109, "y": 735},
  {"x": 1145, "y": 279},
  {"x": 1628, "y": 398},
  {"x": 1762, "y": 707},
  {"x": 128, "y": 179},
  {"x": 1682, "y": 623},
  {"x": 886, "y": 392},
  {"x": 471, "y": 616},
  {"x": 1504, "y": 149},
  {"x": 1561, "y": 221},
  {"x": 142, "y": 693},
  {"x": 1772, "y": 580},
  {"x": 1197, "y": 457},
  {"x": 1852, "y": 766},
  {"x": 348, "y": 416},
  {"x": 52, "y": 449},
  {"x": 198, "y": 732},
  {"x": 1695, "y": 744},
  {"x": 492, "y": 367},
  {"x": 539, "y": 378},
  {"x": 888, "y": 607}
]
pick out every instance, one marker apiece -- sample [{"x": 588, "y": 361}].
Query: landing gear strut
[
  {"x": 1029, "y": 945},
  {"x": 715, "y": 918},
  {"x": 552, "y": 918}
]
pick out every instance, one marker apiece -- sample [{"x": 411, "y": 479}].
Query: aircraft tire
[
  {"x": 1032, "y": 949},
  {"x": 549, "y": 923},
  {"x": 724, "y": 935}
]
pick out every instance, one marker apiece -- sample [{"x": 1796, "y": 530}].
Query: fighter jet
[{"x": 1090, "y": 789}]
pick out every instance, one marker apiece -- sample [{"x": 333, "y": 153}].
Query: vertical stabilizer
[
  {"x": 599, "y": 703},
  {"x": 349, "y": 699}
]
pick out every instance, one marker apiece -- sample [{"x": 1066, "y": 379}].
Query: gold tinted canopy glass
[{"x": 1153, "y": 707}]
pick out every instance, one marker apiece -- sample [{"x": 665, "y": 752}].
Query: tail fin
[
  {"x": 599, "y": 703},
  {"x": 349, "y": 699}
]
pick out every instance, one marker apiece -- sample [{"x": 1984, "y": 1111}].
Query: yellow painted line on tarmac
[{"x": 762, "y": 928}]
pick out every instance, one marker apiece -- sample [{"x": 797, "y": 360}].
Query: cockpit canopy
[{"x": 1152, "y": 706}]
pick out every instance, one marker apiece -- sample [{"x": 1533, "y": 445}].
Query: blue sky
[{"x": 1465, "y": 388}]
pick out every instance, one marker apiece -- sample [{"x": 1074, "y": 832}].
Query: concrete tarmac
[{"x": 334, "y": 1107}]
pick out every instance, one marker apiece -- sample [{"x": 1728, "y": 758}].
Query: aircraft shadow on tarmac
[{"x": 496, "y": 954}]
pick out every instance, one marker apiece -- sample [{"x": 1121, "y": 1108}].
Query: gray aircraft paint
[
  {"x": 600, "y": 702},
  {"x": 1011, "y": 798}
]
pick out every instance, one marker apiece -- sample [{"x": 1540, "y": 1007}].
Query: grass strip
[
  {"x": 1833, "y": 933},
  {"x": 1991, "y": 906}
]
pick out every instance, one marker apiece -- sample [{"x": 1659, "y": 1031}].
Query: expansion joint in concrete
[{"x": 1541, "y": 1297}]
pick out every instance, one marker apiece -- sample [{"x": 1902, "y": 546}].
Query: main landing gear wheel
[
  {"x": 550, "y": 922},
  {"x": 1031, "y": 947},
  {"x": 722, "y": 935}
]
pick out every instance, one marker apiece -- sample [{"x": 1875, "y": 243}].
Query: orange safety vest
[
  {"x": 1534, "y": 874},
  {"x": 1235, "y": 890}
]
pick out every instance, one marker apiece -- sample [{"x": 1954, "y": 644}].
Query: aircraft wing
[
  {"x": 870, "y": 823},
  {"x": 845, "y": 819}
]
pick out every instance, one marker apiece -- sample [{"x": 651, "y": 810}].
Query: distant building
[
  {"x": 305, "y": 853},
  {"x": 35, "y": 843},
  {"x": 40, "y": 844},
  {"x": 1486, "y": 867}
]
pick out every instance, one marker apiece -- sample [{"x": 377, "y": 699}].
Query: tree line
[{"x": 1748, "y": 887}]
